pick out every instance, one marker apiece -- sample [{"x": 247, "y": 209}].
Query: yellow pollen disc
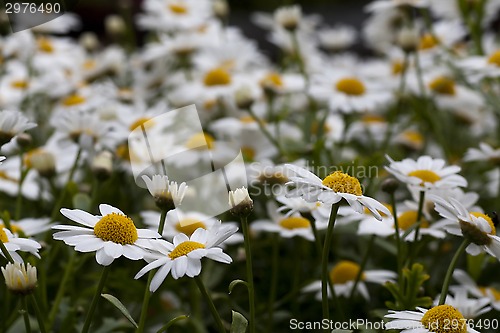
[
  {"x": 488, "y": 219},
  {"x": 184, "y": 248},
  {"x": 217, "y": 77},
  {"x": 73, "y": 99},
  {"x": 178, "y": 8},
  {"x": 116, "y": 228},
  {"x": 427, "y": 176},
  {"x": 3, "y": 236},
  {"x": 413, "y": 137},
  {"x": 272, "y": 178},
  {"x": 443, "y": 85},
  {"x": 248, "y": 153},
  {"x": 427, "y": 41},
  {"x": 14, "y": 228},
  {"x": 189, "y": 225},
  {"x": 295, "y": 222},
  {"x": 201, "y": 140},
  {"x": 494, "y": 58},
  {"x": 345, "y": 271},
  {"x": 343, "y": 183},
  {"x": 397, "y": 67},
  {"x": 272, "y": 80},
  {"x": 492, "y": 291},
  {"x": 19, "y": 84},
  {"x": 247, "y": 120},
  {"x": 89, "y": 64},
  {"x": 444, "y": 319},
  {"x": 409, "y": 218},
  {"x": 315, "y": 128},
  {"x": 372, "y": 119},
  {"x": 350, "y": 86},
  {"x": 45, "y": 45},
  {"x": 144, "y": 121}
]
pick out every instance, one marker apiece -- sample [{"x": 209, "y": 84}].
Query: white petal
[
  {"x": 102, "y": 258},
  {"x": 160, "y": 276}
]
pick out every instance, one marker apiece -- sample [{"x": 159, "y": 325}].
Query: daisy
[
  {"x": 20, "y": 278},
  {"x": 337, "y": 38},
  {"x": 332, "y": 189},
  {"x": 493, "y": 294},
  {"x": 426, "y": 173},
  {"x": 482, "y": 66},
  {"x": 287, "y": 226},
  {"x": 111, "y": 234},
  {"x": 14, "y": 243},
  {"x": 11, "y": 124},
  {"x": 476, "y": 227},
  {"x": 428, "y": 321},
  {"x": 343, "y": 276},
  {"x": 167, "y": 194},
  {"x": 183, "y": 257},
  {"x": 288, "y": 17},
  {"x": 484, "y": 153},
  {"x": 383, "y": 5},
  {"x": 29, "y": 226}
]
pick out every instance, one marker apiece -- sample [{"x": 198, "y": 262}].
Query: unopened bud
[
  {"x": 288, "y": 17},
  {"x": 89, "y": 41},
  {"x": 240, "y": 202},
  {"x": 43, "y": 162},
  {"x": 220, "y": 8},
  {"x": 407, "y": 39},
  {"x": 102, "y": 165},
  {"x": 244, "y": 97},
  {"x": 20, "y": 278},
  {"x": 115, "y": 25},
  {"x": 24, "y": 140}
]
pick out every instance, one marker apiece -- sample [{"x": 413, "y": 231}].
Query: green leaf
[
  {"x": 116, "y": 302},
  {"x": 171, "y": 322},
  {"x": 239, "y": 324},
  {"x": 236, "y": 282}
]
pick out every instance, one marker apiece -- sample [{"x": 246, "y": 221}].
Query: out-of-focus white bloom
[
  {"x": 13, "y": 244},
  {"x": 20, "y": 278},
  {"x": 13, "y": 123},
  {"x": 470, "y": 308},
  {"x": 288, "y": 17},
  {"x": 383, "y": 5},
  {"x": 484, "y": 153},
  {"x": 337, "y": 38}
]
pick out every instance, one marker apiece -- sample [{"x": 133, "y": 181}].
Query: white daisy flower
[
  {"x": 13, "y": 244},
  {"x": 288, "y": 226},
  {"x": 164, "y": 191},
  {"x": 484, "y": 153},
  {"x": 183, "y": 257},
  {"x": 426, "y": 173},
  {"x": 13, "y": 123},
  {"x": 343, "y": 276},
  {"x": 492, "y": 293},
  {"x": 337, "y": 38},
  {"x": 29, "y": 226},
  {"x": 477, "y": 227},
  {"x": 288, "y": 17},
  {"x": 470, "y": 308},
  {"x": 2, "y": 158},
  {"x": 332, "y": 189},
  {"x": 111, "y": 234},
  {"x": 383, "y": 5},
  {"x": 482, "y": 66},
  {"x": 436, "y": 319}
]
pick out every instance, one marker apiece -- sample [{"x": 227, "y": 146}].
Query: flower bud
[
  {"x": 407, "y": 39},
  {"x": 102, "y": 165},
  {"x": 244, "y": 97},
  {"x": 43, "y": 162},
  {"x": 24, "y": 140},
  {"x": 20, "y": 278},
  {"x": 115, "y": 25},
  {"x": 89, "y": 41},
  {"x": 220, "y": 8},
  {"x": 240, "y": 202},
  {"x": 288, "y": 17}
]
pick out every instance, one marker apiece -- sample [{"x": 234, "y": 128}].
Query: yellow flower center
[
  {"x": 217, "y": 77},
  {"x": 315, "y": 126},
  {"x": 141, "y": 122},
  {"x": 494, "y": 292},
  {"x": 73, "y": 99},
  {"x": 409, "y": 218},
  {"x": 247, "y": 120},
  {"x": 350, "y": 86},
  {"x": 272, "y": 80},
  {"x": 488, "y": 219},
  {"x": 248, "y": 153},
  {"x": 295, "y": 222},
  {"x": 5, "y": 176},
  {"x": 89, "y": 64},
  {"x": 345, "y": 271},
  {"x": 413, "y": 137},
  {"x": 427, "y": 176},
  {"x": 372, "y": 119},
  {"x": 178, "y": 8},
  {"x": 272, "y": 178},
  {"x": 184, "y": 248},
  {"x": 14, "y": 228},
  {"x": 494, "y": 58},
  {"x": 428, "y": 41},
  {"x": 45, "y": 45},
  {"x": 28, "y": 156},
  {"x": 444, "y": 319},
  {"x": 19, "y": 84},
  {"x": 343, "y": 183},
  {"x": 443, "y": 85},
  {"x": 189, "y": 225},
  {"x": 116, "y": 228},
  {"x": 200, "y": 140},
  {"x": 3, "y": 236},
  {"x": 397, "y": 67}
]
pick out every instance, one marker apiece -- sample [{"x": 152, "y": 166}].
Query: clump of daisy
[
  {"x": 20, "y": 278},
  {"x": 426, "y": 173},
  {"x": 111, "y": 234},
  {"x": 441, "y": 318},
  {"x": 167, "y": 194},
  {"x": 13, "y": 123}
]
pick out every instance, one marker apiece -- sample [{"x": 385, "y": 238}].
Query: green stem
[
  {"x": 274, "y": 282},
  {"x": 248, "y": 257},
  {"x": 362, "y": 267},
  {"x": 421, "y": 201},
  {"x": 398, "y": 240},
  {"x": 39, "y": 315},
  {"x": 22, "y": 174},
  {"x": 95, "y": 300},
  {"x": 6, "y": 252},
  {"x": 324, "y": 265},
  {"x": 147, "y": 293},
  {"x": 266, "y": 133},
  {"x": 62, "y": 288},
  {"x": 451, "y": 268},
  {"x": 211, "y": 304},
  {"x": 60, "y": 200},
  {"x": 26, "y": 315}
]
